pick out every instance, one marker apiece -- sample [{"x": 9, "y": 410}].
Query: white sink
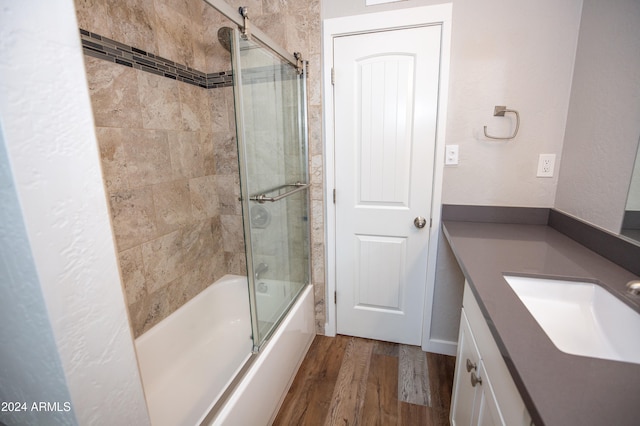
[{"x": 581, "y": 318}]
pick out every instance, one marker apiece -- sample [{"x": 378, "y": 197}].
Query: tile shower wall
[
  {"x": 169, "y": 152},
  {"x": 169, "y": 159}
]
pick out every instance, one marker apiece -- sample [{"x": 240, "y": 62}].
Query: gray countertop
[{"x": 557, "y": 388}]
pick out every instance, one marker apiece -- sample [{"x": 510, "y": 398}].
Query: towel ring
[{"x": 498, "y": 111}]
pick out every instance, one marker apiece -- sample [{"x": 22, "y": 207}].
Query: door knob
[{"x": 419, "y": 222}]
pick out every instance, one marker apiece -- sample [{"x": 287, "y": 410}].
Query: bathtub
[{"x": 188, "y": 360}]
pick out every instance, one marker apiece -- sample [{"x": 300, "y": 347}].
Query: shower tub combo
[
  {"x": 188, "y": 360},
  {"x": 228, "y": 356}
]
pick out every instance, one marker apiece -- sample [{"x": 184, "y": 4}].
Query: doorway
[{"x": 385, "y": 147}]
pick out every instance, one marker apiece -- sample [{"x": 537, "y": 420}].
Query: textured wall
[
  {"x": 603, "y": 126},
  {"x": 31, "y": 368},
  {"x": 518, "y": 54},
  {"x": 49, "y": 138}
]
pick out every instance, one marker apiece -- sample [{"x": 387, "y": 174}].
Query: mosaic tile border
[{"x": 110, "y": 50}]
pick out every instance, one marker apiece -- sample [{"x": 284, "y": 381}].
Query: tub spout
[{"x": 260, "y": 269}]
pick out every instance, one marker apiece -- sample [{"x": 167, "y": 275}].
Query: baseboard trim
[{"x": 444, "y": 347}]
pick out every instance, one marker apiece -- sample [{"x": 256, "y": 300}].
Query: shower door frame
[
  {"x": 258, "y": 340},
  {"x": 295, "y": 60},
  {"x": 234, "y": 15}
]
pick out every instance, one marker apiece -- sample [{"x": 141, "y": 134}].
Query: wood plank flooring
[{"x": 352, "y": 381}]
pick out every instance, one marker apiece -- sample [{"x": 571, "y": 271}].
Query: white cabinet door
[
  {"x": 464, "y": 394},
  {"x": 488, "y": 413},
  {"x": 494, "y": 400},
  {"x": 474, "y": 402}
]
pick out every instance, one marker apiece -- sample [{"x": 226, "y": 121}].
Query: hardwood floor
[{"x": 352, "y": 381}]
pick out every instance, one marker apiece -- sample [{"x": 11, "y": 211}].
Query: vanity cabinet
[
  {"x": 483, "y": 390},
  {"x": 474, "y": 402}
]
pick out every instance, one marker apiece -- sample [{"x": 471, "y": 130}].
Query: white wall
[
  {"x": 604, "y": 115},
  {"x": 31, "y": 368},
  {"x": 447, "y": 295},
  {"x": 519, "y": 54},
  {"x": 49, "y": 138}
]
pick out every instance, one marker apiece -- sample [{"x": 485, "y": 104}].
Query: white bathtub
[{"x": 189, "y": 359}]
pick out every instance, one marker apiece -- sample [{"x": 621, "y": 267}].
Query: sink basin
[{"x": 581, "y": 318}]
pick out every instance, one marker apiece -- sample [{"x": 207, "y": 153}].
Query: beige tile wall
[
  {"x": 172, "y": 183},
  {"x": 168, "y": 148}
]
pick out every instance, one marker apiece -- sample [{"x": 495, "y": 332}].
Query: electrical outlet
[
  {"x": 451, "y": 155},
  {"x": 546, "y": 164}
]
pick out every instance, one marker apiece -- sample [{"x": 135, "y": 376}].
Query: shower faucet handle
[{"x": 260, "y": 269}]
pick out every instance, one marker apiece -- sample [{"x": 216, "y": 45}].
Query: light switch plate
[{"x": 451, "y": 155}]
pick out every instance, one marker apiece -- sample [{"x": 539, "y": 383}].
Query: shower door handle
[
  {"x": 420, "y": 222},
  {"x": 262, "y": 198}
]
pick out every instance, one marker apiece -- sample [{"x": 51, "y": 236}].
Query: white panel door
[{"x": 386, "y": 97}]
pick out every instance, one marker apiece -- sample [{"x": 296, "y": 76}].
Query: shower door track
[{"x": 232, "y": 13}]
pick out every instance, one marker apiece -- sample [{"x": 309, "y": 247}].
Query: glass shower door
[{"x": 272, "y": 145}]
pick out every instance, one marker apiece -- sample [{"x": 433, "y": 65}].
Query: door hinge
[
  {"x": 334, "y": 195},
  {"x": 335, "y": 297},
  {"x": 333, "y": 76}
]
